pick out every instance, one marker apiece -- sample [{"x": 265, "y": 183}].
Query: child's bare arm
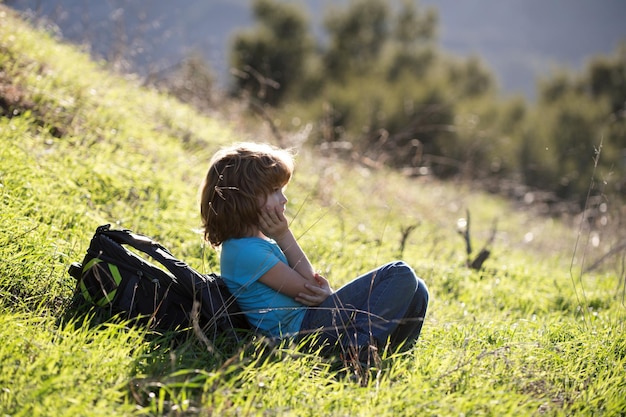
[
  {"x": 285, "y": 280},
  {"x": 298, "y": 279},
  {"x": 273, "y": 223},
  {"x": 317, "y": 293}
]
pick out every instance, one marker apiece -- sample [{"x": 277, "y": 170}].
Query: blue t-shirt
[{"x": 243, "y": 261}]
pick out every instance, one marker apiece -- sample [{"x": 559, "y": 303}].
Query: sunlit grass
[
  {"x": 68, "y": 369},
  {"x": 527, "y": 335}
]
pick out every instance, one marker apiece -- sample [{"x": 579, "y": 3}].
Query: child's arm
[
  {"x": 317, "y": 292},
  {"x": 297, "y": 280},
  {"x": 286, "y": 280},
  {"x": 273, "y": 224}
]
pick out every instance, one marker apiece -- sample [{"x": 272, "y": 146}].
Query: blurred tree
[
  {"x": 414, "y": 26},
  {"x": 357, "y": 36},
  {"x": 559, "y": 151},
  {"x": 583, "y": 115},
  {"x": 555, "y": 88},
  {"x": 485, "y": 138},
  {"x": 380, "y": 83},
  {"x": 470, "y": 77},
  {"x": 414, "y": 37},
  {"x": 606, "y": 81},
  {"x": 607, "y": 78},
  {"x": 268, "y": 60}
]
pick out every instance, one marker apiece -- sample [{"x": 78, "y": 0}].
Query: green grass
[{"x": 530, "y": 334}]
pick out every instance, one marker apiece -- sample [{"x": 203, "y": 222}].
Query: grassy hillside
[{"x": 530, "y": 334}]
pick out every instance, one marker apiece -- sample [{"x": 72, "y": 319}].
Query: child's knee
[
  {"x": 422, "y": 290},
  {"x": 405, "y": 275}
]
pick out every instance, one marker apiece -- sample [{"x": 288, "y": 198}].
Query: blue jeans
[{"x": 387, "y": 304}]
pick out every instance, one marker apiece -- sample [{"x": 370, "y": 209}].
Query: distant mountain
[{"x": 519, "y": 39}]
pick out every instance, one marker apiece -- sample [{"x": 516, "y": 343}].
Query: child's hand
[
  {"x": 318, "y": 292},
  {"x": 273, "y": 223}
]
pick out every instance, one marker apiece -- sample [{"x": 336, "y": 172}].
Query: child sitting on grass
[{"x": 243, "y": 211}]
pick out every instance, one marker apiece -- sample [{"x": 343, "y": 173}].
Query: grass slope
[{"x": 80, "y": 147}]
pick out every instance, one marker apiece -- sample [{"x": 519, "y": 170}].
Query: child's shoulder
[
  {"x": 249, "y": 249},
  {"x": 252, "y": 241}
]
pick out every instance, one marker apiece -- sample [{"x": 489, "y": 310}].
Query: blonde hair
[{"x": 237, "y": 177}]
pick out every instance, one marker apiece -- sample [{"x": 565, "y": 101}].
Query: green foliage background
[
  {"x": 533, "y": 333},
  {"x": 380, "y": 83}
]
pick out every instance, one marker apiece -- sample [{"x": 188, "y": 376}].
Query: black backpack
[{"x": 174, "y": 297}]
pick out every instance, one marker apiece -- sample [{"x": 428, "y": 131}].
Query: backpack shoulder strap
[
  {"x": 136, "y": 240},
  {"x": 189, "y": 277}
]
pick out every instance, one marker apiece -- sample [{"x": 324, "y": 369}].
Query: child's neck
[{"x": 256, "y": 232}]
